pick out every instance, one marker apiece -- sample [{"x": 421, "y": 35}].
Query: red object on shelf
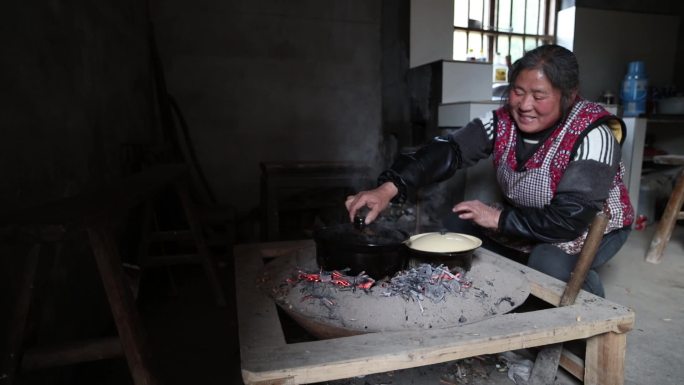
[{"x": 641, "y": 222}]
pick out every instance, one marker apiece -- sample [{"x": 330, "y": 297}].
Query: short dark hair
[{"x": 558, "y": 64}]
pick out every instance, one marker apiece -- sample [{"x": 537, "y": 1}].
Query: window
[{"x": 484, "y": 29}]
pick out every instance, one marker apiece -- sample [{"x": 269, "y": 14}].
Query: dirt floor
[{"x": 655, "y": 347}]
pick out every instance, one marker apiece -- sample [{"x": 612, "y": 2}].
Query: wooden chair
[
  {"x": 673, "y": 212},
  {"x": 199, "y": 231}
]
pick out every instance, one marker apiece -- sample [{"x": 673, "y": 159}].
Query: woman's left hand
[{"x": 478, "y": 212}]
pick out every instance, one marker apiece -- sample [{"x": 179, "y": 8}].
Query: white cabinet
[
  {"x": 633, "y": 155},
  {"x": 459, "y": 114},
  {"x": 464, "y": 81}
]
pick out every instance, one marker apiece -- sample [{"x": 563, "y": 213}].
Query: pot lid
[
  {"x": 443, "y": 242},
  {"x": 374, "y": 234}
]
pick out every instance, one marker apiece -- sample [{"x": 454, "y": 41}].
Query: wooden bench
[{"x": 268, "y": 359}]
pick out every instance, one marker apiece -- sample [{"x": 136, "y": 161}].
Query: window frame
[{"x": 547, "y": 38}]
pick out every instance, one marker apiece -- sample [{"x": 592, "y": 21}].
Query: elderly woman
[{"x": 557, "y": 161}]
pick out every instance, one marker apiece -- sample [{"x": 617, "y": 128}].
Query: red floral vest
[{"x": 536, "y": 184}]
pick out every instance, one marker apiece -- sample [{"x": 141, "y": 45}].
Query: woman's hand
[
  {"x": 478, "y": 212},
  {"x": 376, "y": 200}
]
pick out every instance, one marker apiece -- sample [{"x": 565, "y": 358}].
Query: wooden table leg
[
  {"x": 121, "y": 303},
  {"x": 17, "y": 326},
  {"x": 605, "y": 359}
]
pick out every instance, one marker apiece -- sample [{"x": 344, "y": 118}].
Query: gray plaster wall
[
  {"x": 77, "y": 89},
  {"x": 396, "y": 103},
  {"x": 273, "y": 80}
]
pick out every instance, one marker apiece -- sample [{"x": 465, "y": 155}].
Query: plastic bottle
[
  {"x": 634, "y": 90},
  {"x": 500, "y": 69},
  {"x": 471, "y": 55}
]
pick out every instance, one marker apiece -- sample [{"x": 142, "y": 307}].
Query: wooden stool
[{"x": 673, "y": 212}]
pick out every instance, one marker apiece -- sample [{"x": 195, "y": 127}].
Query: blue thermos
[{"x": 634, "y": 90}]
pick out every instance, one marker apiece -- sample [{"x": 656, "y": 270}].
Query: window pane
[
  {"x": 552, "y": 17},
  {"x": 530, "y": 43},
  {"x": 519, "y": 16},
  {"x": 460, "y": 46},
  {"x": 532, "y": 17},
  {"x": 542, "y": 17},
  {"x": 475, "y": 45},
  {"x": 516, "y": 48},
  {"x": 504, "y": 18},
  {"x": 484, "y": 55},
  {"x": 461, "y": 13},
  {"x": 502, "y": 45},
  {"x": 476, "y": 7}
]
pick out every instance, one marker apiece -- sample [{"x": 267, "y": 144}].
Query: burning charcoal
[{"x": 321, "y": 286}]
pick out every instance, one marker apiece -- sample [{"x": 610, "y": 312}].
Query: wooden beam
[
  {"x": 121, "y": 303},
  {"x": 573, "y": 364}
]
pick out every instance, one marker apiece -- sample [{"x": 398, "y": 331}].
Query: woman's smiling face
[{"x": 535, "y": 104}]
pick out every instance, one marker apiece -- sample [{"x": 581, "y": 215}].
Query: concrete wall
[
  {"x": 396, "y": 101},
  {"x": 604, "y": 46},
  {"x": 663, "y": 7},
  {"x": 77, "y": 87},
  {"x": 432, "y": 31},
  {"x": 272, "y": 80}
]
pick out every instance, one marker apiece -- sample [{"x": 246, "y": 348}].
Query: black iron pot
[
  {"x": 376, "y": 249},
  {"x": 453, "y": 250}
]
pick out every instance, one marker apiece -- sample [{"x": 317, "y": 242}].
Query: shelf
[{"x": 662, "y": 118}]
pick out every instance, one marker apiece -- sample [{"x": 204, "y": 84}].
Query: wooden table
[
  {"x": 279, "y": 178},
  {"x": 268, "y": 359}
]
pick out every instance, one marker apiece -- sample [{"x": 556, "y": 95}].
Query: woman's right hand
[{"x": 376, "y": 200}]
